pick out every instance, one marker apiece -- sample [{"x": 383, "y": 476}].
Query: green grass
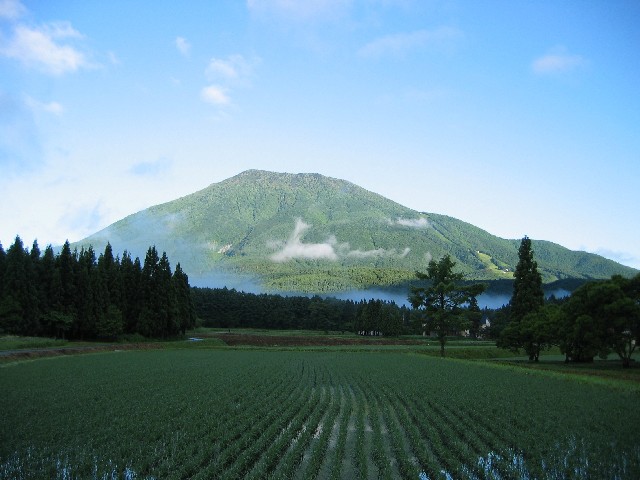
[
  {"x": 11, "y": 342},
  {"x": 228, "y": 413}
]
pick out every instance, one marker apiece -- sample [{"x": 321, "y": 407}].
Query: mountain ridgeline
[{"x": 310, "y": 233}]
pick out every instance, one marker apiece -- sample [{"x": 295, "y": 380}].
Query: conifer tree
[
  {"x": 184, "y": 305},
  {"x": 3, "y": 260},
  {"x": 85, "y": 295},
  {"x": 17, "y": 312},
  {"x": 528, "y": 295},
  {"x": 130, "y": 277},
  {"x": 525, "y": 327}
]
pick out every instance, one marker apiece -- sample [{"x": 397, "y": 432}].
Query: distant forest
[
  {"x": 75, "y": 295},
  {"x": 228, "y": 308}
]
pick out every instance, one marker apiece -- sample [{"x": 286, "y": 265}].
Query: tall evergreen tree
[
  {"x": 109, "y": 322},
  {"x": 525, "y": 328},
  {"x": 528, "y": 296},
  {"x": 184, "y": 305},
  {"x": 66, "y": 264},
  {"x": 85, "y": 294},
  {"x": 130, "y": 278},
  {"x": 3, "y": 261},
  {"x": 17, "y": 305}
]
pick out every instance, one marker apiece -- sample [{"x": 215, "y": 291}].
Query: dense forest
[
  {"x": 228, "y": 308},
  {"x": 78, "y": 296}
]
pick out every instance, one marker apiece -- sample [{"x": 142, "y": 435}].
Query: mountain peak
[{"x": 309, "y": 232}]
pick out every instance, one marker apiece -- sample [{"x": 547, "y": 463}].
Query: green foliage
[
  {"x": 73, "y": 295},
  {"x": 249, "y": 414},
  {"x": 236, "y": 226},
  {"x": 443, "y": 299},
  {"x": 600, "y": 317},
  {"x": 527, "y": 296},
  {"x": 527, "y": 327},
  {"x": 221, "y": 307}
]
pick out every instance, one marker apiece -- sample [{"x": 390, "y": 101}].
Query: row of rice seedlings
[
  {"x": 291, "y": 460},
  {"x": 320, "y": 445},
  {"x": 237, "y": 456},
  {"x": 338, "y": 453},
  {"x": 428, "y": 460},
  {"x": 479, "y": 432},
  {"x": 360, "y": 454},
  {"x": 379, "y": 455},
  {"x": 464, "y": 441},
  {"x": 225, "y": 443},
  {"x": 451, "y": 452},
  {"x": 399, "y": 443},
  {"x": 274, "y": 448}
]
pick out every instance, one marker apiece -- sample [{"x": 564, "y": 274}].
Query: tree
[
  {"x": 527, "y": 299},
  {"x": 443, "y": 299},
  {"x": 537, "y": 330},
  {"x": 601, "y": 317},
  {"x": 528, "y": 295},
  {"x": 184, "y": 305},
  {"x": 582, "y": 333},
  {"x": 18, "y": 305}
]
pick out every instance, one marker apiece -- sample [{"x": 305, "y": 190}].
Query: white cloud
[
  {"x": 151, "y": 168},
  {"x": 41, "y": 48},
  {"x": 378, "y": 252},
  {"x": 413, "y": 222},
  {"x": 401, "y": 43},
  {"x": 11, "y": 9},
  {"x": 183, "y": 46},
  {"x": 294, "y": 248},
  {"x": 332, "y": 250},
  {"x": 558, "y": 60},
  {"x": 233, "y": 68},
  {"x": 300, "y": 9},
  {"x": 54, "y": 108},
  {"x": 215, "y": 95},
  {"x": 113, "y": 58}
]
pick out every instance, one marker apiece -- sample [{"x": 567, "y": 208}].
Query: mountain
[{"x": 310, "y": 233}]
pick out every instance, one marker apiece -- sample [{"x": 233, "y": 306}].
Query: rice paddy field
[{"x": 258, "y": 414}]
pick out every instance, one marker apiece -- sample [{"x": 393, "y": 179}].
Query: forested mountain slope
[{"x": 311, "y": 233}]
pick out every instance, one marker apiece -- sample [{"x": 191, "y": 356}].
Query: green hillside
[{"x": 311, "y": 233}]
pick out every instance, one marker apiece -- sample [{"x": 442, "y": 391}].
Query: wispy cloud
[
  {"x": 183, "y": 46},
  {"x": 624, "y": 258},
  {"x": 54, "y": 108},
  {"x": 151, "y": 168},
  {"x": 230, "y": 69},
  {"x": 557, "y": 61},
  {"x": 411, "y": 222},
  {"x": 400, "y": 44},
  {"x": 227, "y": 73},
  {"x": 113, "y": 58},
  {"x": 300, "y": 10},
  {"x": 11, "y": 9},
  {"x": 215, "y": 95},
  {"x": 83, "y": 219},
  {"x": 331, "y": 249},
  {"x": 378, "y": 252},
  {"x": 46, "y": 48},
  {"x": 20, "y": 143}
]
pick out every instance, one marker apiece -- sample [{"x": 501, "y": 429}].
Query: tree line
[
  {"x": 228, "y": 308},
  {"x": 75, "y": 295},
  {"x": 599, "y": 318}
]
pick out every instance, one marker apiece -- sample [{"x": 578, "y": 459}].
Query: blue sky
[{"x": 518, "y": 117}]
